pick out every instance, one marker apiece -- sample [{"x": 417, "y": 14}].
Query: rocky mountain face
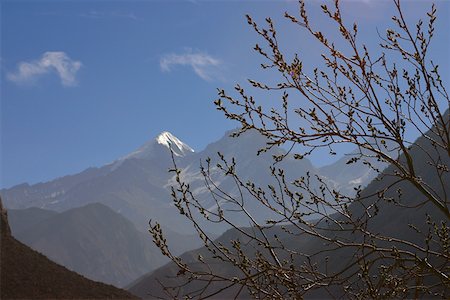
[{"x": 27, "y": 274}]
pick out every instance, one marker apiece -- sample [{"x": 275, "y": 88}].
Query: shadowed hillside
[{"x": 26, "y": 273}]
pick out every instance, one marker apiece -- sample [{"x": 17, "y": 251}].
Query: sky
[{"x": 86, "y": 82}]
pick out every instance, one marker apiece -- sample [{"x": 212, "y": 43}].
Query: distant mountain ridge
[
  {"x": 22, "y": 220},
  {"x": 137, "y": 185}
]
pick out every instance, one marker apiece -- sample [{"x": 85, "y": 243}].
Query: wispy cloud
[
  {"x": 94, "y": 14},
  {"x": 59, "y": 62},
  {"x": 204, "y": 65}
]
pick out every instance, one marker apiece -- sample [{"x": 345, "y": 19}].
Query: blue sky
[{"x": 85, "y": 82}]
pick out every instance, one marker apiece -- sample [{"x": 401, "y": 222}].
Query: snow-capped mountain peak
[
  {"x": 170, "y": 141},
  {"x": 151, "y": 149}
]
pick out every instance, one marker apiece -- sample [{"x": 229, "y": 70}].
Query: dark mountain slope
[{"x": 28, "y": 274}]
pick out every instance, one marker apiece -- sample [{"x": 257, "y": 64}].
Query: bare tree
[{"x": 321, "y": 241}]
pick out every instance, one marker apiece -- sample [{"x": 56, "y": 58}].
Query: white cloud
[
  {"x": 204, "y": 65},
  {"x": 59, "y": 62}
]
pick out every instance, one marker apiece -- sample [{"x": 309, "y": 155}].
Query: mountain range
[
  {"x": 137, "y": 185},
  {"x": 57, "y": 219}
]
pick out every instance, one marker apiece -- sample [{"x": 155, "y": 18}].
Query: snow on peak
[
  {"x": 150, "y": 149},
  {"x": 170, "y": 141}
]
